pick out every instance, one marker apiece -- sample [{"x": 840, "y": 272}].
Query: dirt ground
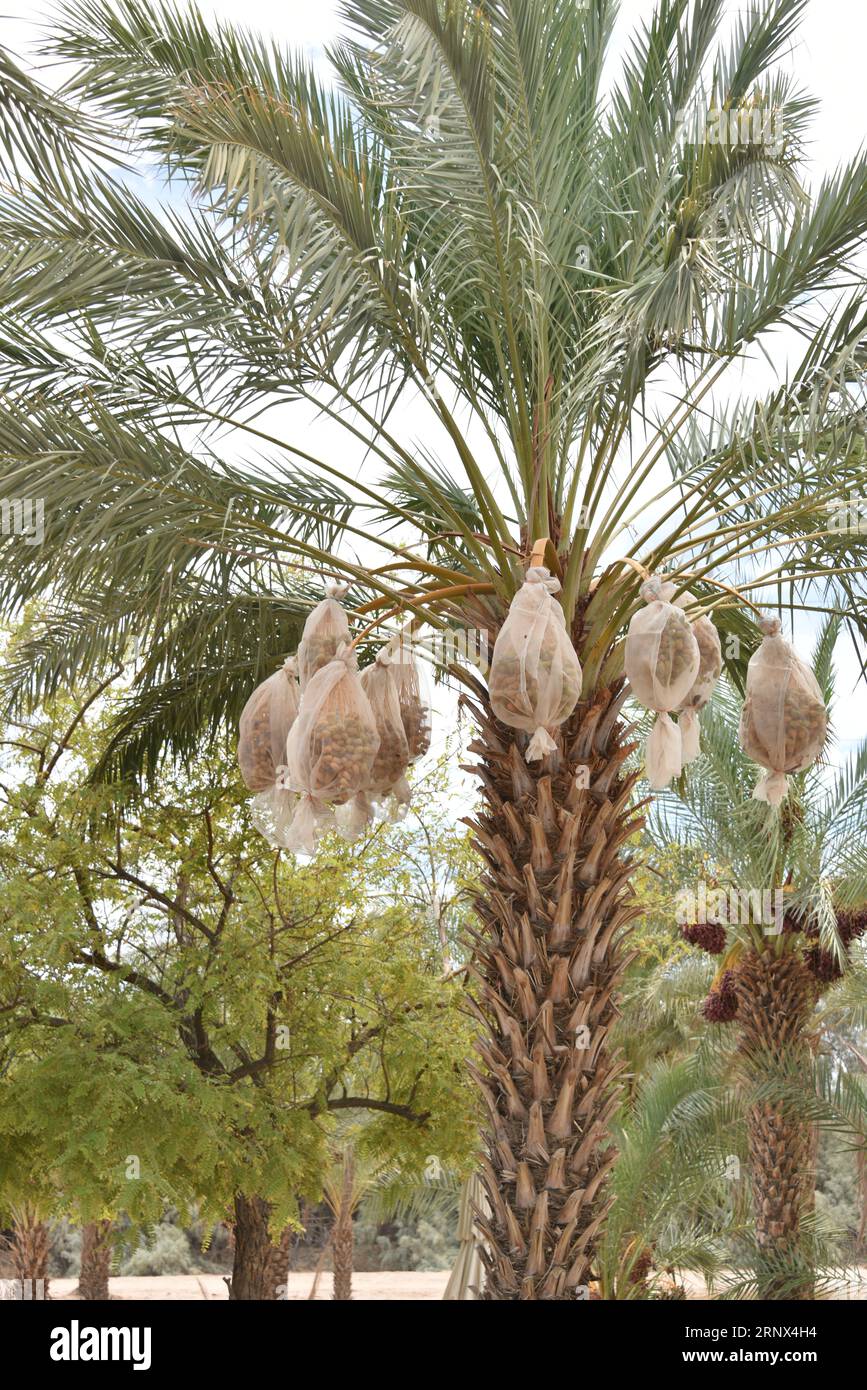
[
  {"x": 396, "y": 1287},
  {"x": 367, "y": 1287}
]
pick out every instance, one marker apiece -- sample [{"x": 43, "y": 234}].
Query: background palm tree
[
  {"x": 343, "y": 1188},
  {"x": 96, "y": 1253},
  {"x": 555, "y": 273},
  {"x": 771, "y": 974},
  {"x": 359, "y": 1179},
  {"x": 29, "y": 1248}
]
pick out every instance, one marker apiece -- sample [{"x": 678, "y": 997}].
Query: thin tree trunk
[
  {"x": 29, "y": 1250},
  {"x": 96, "y": 1251},
  {"x": 343, "y": 1238},
  {"x": 775, "y": 999},
  {"x": 554, "y": 900},
  {"x": 257, "y": 1263}
]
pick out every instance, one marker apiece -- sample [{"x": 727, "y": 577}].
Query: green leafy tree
[
  {"x": 558, "y": 274},
  {"x": 184, "y": 1013}
]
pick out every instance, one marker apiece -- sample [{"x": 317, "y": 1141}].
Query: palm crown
[
  {"x": 463, "y": 218},
  {"x": 467, "y": 218},
  {"x": 811, "y": 847}
]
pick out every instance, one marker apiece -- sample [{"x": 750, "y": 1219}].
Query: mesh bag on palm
[
  {"x": 331, "y": 748},
  {"x": 264, "y": 727},
  {"x": 273, "y": 812},
  {"x": 535, "y": 676},
  {"x": 662, "y": 662},
  {"x": 414, "y": 708},
  {"x": 784, "y": 722},
  {"x": 392, "y": 757},
  {"x": 392, "y": 686},
  {"x": 710, "y": 666},
  {"x": 386, "y": 788},
  {"x": 325, "y": 631}
]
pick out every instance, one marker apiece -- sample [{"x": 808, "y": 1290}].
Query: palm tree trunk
[
  {"x": 29, "y": 1250},
  {"x": 554, "y": 899},
  {"x": 775, "y": 998},
  {"x": 95, "y": 1260},
  {"x": 343, "y": 1238},
  {"x": 280, "y": 1257},
  {"x": 258, "y": 1262}
]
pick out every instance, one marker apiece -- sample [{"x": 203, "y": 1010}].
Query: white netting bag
[
  {"x": 392, "y": 757},
  {"x": 264, "y": 727},
  {"x": 273, "y": 811},
  {"x": 662, "y": 661},
  {"x": 784, "y": 722},
  {"x": 392, "y": 686},
  {"x": 535, "y": 677},
  {"x": 414, "y": 707},
  {"x": 354, "y": 817},
  {"x": 710, "y": 667},
  {"x": 386, "y": 790},
  {"x": 331, "y": 748},
  {"x": 325, "y": 631}
]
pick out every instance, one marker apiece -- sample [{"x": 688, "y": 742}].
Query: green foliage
[
  {"x": 185, "y": 1014},
  {"x": 166, "y": 1251},
  {"x": 65, "y": 1259},
  {"x": 424, "y": 1242},
  {"x": 839, "y": 1200},
  {"x": 670, "y": 1209}
]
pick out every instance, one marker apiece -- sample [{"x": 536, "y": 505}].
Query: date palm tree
[
  {"x": 29, "y": 1248},
  {"x": 772, "y": 973},
  {"x": 343, "y": 1190},
  {"x": 96, "y": 1252},
  {"x": 459, "y": 299}
]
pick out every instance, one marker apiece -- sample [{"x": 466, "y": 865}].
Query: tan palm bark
[
  {"x": 775, "y": 999},
  {"x": 259, "y": 1265},
  {"x": 343, "y": 1237},
  {"x": 29, "y": 1250},
  {"x": 96, "y": 1254},
  {"x": 554, "y": 903},
  {"x": 281, "y": 1252}
]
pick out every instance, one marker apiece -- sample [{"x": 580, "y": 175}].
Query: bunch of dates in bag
[
  {"x": 784, "y": 722},
  {"x": 710, "y": 667},
  {"x": 662, "y": 661},
  {"x": 264, "y": 727},
  {"x": 535, "y": 676},
  {"x": 392, "y": 686},
  {"x": 331, "y": 749}
]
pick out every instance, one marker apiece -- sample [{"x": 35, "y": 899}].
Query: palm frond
[
  {"x": 41, "y": 132},
  {"x": 412, "y": 233}
]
